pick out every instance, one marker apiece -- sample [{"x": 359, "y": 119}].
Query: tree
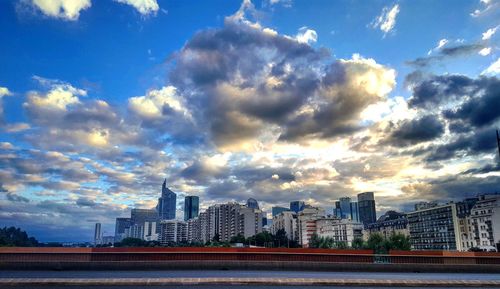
[
  {"x": 358, "y": 243},
  {"x": 315, "y": 241},
  {"x": 15, "y": 237},
  {"x": 399, "y": 242},
  {"x": 376, "y": 242},
  {"x": 237, "y": 239}
]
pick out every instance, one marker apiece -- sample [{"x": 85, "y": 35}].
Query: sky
[{"x": 278, "y": 100}]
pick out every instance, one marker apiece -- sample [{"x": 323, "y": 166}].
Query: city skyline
[{"x": 280, "y": 101}]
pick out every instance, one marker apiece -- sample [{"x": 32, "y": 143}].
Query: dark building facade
[
  {"x": 366, "y": 208},
  {"x": 252, "y": 204},
  {"x": 278, "y": 210},
  {"x": 167, "y": 203},
  {"x": 191, "y": 207},
  {"x": 120, "y": 226}
]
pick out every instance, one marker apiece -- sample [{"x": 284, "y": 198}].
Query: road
[{"x": 247, "y": 274}]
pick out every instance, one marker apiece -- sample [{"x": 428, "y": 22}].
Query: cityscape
[
  {"x": 472, "y": 224},
  {"x": 249, "y": 144}
]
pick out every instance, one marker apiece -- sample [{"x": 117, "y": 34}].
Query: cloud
[
  {"x": 16, "y": 198},
  {"x": 4, "y": 91},
  {"x": 306, "y": 35},
  {"x": 445, "y": 53},
  {"x": 422, "y": 129},
  {"x": 493, "y": 69},
  {"x": 145, "y": 7},
  {"x": 386, "y": 21},
  {"x": 440, "y": 45},
  {"x": 489, "y": 33},
  {"x": 61, "y": 9},
  {"x": 485, "y": 51},
  {"x": 488, "y": 6}
]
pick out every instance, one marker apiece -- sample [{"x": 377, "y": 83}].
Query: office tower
[
  {"x": 278, "y": 210},
  {"x": 121, "y": 225},
  {"x": 97, "y": 234},
  {"x": 366, "y": 208},
  {"x": 140, "y": 216},
  {"x": 252, "y": 203},
  {"x": 345, "y": 208},
  {"x": 354, "y": 212},
  {"x": 435, "y": 228},
  {"x": 191, "y": 207},
  {"x": 297, "y": 206},
  {"x": 167, "y": 203}
]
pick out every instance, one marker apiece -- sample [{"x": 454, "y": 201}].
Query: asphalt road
[
  {"x": 228, "y": 287},
  {"x": 247, "y": 274}
]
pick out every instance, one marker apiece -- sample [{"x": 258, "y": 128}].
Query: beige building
[
  {"x": 287, "y": 221},
  {"x": 340, "y": 230}
]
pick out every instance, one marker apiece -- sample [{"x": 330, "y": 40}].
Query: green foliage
[
  {"x": 358, "y": 243},
  {"x": 132, "y": 242},
  {"x": 376, "y": 242},
  {"x": 400, "y": 242},
  {"x": 237, "y": 239},
  {"x": 15, "y": 237}
]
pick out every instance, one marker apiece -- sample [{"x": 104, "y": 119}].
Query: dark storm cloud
[
  {"x": 83, "y": 202},
  {"x": 438, "y": 89},
  {"x": 446, "y": 53},
  {"x": 480, "y": 141},
  {"x": 483, "y": 109},
  {"x": 410, "y": 132}
]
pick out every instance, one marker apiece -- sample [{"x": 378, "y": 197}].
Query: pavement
[
  {"x": 189, "y": 282},
  {"x": 241, "y": 279}
]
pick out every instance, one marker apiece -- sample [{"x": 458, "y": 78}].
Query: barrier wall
[{"x": 246, "y": 258}]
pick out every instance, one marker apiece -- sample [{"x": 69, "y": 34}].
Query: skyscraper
[
  {"x": 278, "y": 210},
  {"x": 191, "y": 207},
  {"x": 121, "y": 225},
  {"x": 167, "y": 203},
  {"x": 97, "y": 234},
  {"x": 252, "y": 204},
  {"x": 297, "y": 206},
  {"x": 366, "y": 208}
]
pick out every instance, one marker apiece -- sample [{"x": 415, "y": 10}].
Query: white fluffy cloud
[
  {"x": 306, "y": 35},
  {"x": 487, "y": 35},
  {"x": 485, "y": 51},
  {"x": 387, "y": 19},
  {"x": 493, "y": 69},
  {"x": 4, "y": 91},
  {"x": 63, "y": 9},
  {"x": 153, "y": 104},
  {"x": 144, "y": 7}
]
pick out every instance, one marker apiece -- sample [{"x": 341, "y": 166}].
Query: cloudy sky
[{"x": 278, "y": 100}]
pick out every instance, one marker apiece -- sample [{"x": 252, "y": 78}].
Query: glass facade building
[{"x": 191, "y": 207}]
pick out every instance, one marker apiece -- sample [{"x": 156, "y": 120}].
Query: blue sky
[{"x": 276, "y": 100}]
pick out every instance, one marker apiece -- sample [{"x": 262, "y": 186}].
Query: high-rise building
[
  {"x": 366, "y": 208},
  {"x": 191, "y": 207},
  {"x": 354, "y": 212},
  {"x": 173, "y": 231},
  {"x": 150, "y": 232},
  {"x": 140, "y": 216},
  {"x": 120, "y": 227},
  {"x": 278, "y": 210},
  {"x": 252, "y": 203},
  {"x": 287, "y": 221},
  {"x": 484, "y": 221},
  {"x": 97, "y": 234},
  {"x": 167, "y": 203},
  {"x": 297, "y": 206},
  {"x": 435, "y": 228},
  {"x": 306, "y": 224}
]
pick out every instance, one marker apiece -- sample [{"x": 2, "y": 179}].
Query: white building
[
  {"x": 173, "y": 231},
  {"x": 149, "y": 232},
  {"x": 287, "y": 221},
  {"x": 249, "y": 221},
  {"x": 194, "y": 230},
  {"x": 340, "y": 230},
  {"x": 306, "y": 224},
  {"x": 481, "y": 229}
]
